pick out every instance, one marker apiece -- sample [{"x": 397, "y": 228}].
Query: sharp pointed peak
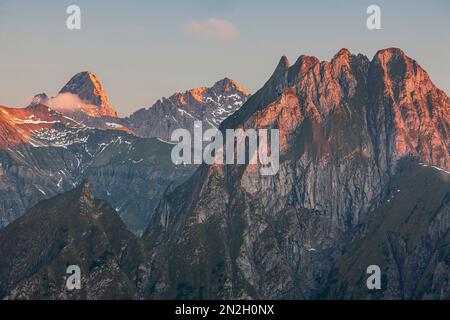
[
  {"x": 227, "y": 84},
  {"x": 85, "y": 73},
  {"x": 283, "y": 64},
  {"x": 281, "y": 68},
  {"x": 88, "y": 88},
  {"x": 84, "y": 76},
  {"x": 225, "y": 81}
]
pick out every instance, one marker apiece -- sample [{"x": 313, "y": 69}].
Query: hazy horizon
[{"x": 143, "y": 51}]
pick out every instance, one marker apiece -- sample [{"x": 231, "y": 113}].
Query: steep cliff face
[
  {"x": 407, "y": 237},
  {"x": 344, "y": 125},
  {"x": 71, "y": 229},
  {"x": 209, "y": 105}
]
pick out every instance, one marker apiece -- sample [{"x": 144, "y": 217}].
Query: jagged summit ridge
[
  {"x": 405, "y": 113},
  {"x": 211, "y": 105}
]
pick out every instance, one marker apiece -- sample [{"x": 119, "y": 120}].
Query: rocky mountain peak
[
  {"x": 227, "y": 85},
  {"x": 40, "y": 98},
  {"x": 304, "y": 63},
  {"x": 394, "y": 63},
  {"x": 283, "y": 66},
  {"x": 388, "y": 53},
  {"x": 399, "y": 69},
  {"x": 341, "y": 59},
  {"x": 88, "y": 88},
  {"x": 211, "y": 105},
  {"x": 202, "y": 95},
  {"x": 344, "y": 52}
]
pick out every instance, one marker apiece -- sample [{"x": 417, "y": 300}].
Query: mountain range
[
  {"x": 364, "y": 180},
  {"x": 55, "y": 143}
]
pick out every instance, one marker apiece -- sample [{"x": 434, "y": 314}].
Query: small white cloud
[
  {"x": 213, "y": 28},
  {"x": 66, "y": 102}
]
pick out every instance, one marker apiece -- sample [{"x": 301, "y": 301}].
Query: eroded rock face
[{"x": 344, "y": 125}]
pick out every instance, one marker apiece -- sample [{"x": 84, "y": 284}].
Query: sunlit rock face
[
  {"x": 345, "y": 127},
  {"x": 24, "y": 125},
  {"x": 408, "y": 114},
  {"x": 93, "y": 100}
]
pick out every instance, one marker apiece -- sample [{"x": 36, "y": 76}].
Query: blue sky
[{"x": 143, "y": 50}]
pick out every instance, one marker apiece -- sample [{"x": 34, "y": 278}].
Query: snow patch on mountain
[{"x": 60, "y": 138}]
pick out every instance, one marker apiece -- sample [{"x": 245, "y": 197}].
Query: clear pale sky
[{"x": 144, "y": 50}]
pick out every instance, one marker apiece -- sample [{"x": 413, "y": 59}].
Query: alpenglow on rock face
[
  {"x": 350, "y": 130},
  {"x": 87, "y": 87},
  {"x": 181, "y": 110}
]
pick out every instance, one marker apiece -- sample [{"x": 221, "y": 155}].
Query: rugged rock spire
[{"x": 88, "y": 88}]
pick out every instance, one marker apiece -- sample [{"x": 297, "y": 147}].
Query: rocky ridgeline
[{"x": 344, "y": 126}]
